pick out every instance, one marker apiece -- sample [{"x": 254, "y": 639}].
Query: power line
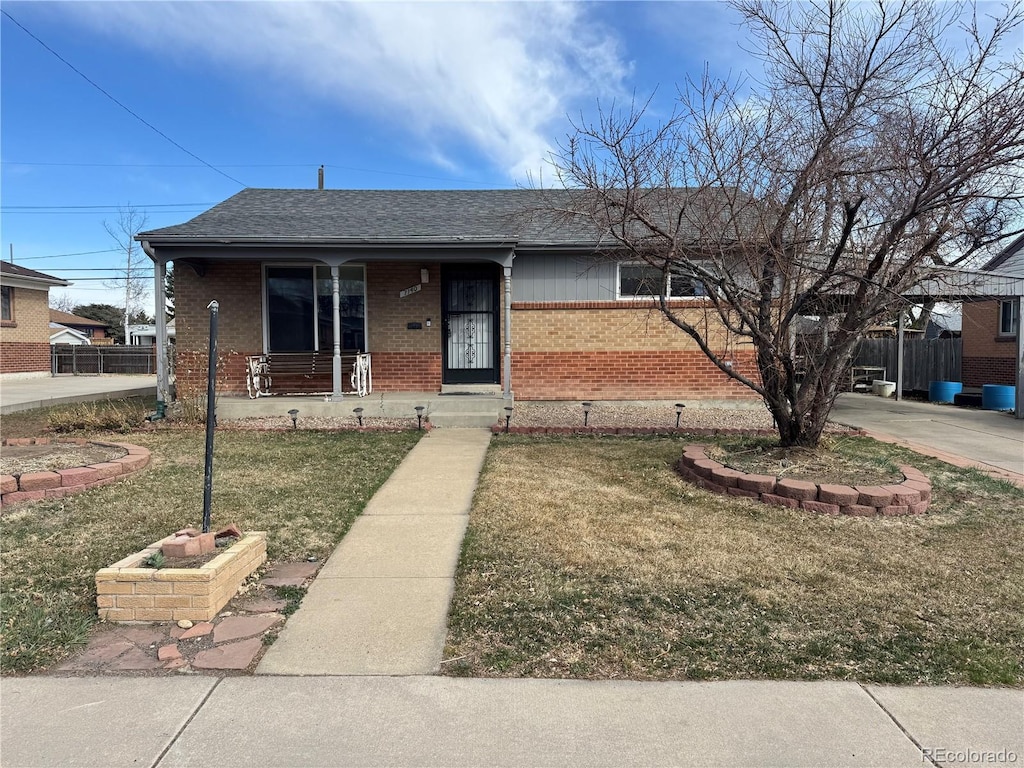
[
  {"x": 90, "y": 213},
  {"x": 487, "y": 184},
  {"x": 65, "y": 255},
  {"x": 69, "y": 207},
  {"x": 122, "y": 106},
  {"x": 108, "y": 279}
]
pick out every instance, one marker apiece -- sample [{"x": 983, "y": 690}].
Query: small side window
[
  {"x": 1009, "y": 322},
  {"x": 8, "y": 303}
]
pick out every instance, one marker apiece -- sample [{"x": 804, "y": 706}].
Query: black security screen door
[{"x": 470, "y": 324}]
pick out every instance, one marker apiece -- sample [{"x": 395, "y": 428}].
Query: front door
[{"x": 469, "y": 318}]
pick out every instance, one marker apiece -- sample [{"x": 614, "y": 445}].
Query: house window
[
  {"x": 1009, "y": 322},
  {"x": 639, "y": 281},
  {"x": 300, "y": 309},
  {"x": 8, "y": 303}
]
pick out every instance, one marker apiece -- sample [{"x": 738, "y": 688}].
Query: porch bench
[{"x": 296, "y": 373}]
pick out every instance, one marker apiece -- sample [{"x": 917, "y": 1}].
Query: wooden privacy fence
[
  {"x": 924, "y": 360},
  {"x": 83, "y": 359}
]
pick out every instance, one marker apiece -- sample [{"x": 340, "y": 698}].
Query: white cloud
[{"x": 498, "y": 76}]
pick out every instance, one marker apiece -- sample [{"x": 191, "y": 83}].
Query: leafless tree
[
  {"x": 883, "y": 142},
  {"x": 62, "y": 302},
  {"x": 131, "y": 280}
]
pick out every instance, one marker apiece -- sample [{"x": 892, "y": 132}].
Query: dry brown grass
[
  {"x": 592, "y": 558},
  {"x": 304, "y": 488}
]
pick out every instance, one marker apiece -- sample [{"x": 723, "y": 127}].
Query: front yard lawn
[
  {"x": 592, "y": 558},
  {"x": 304, "y": 487}
]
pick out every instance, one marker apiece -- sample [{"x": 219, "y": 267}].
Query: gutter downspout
[{"x": 163, "y": 386}]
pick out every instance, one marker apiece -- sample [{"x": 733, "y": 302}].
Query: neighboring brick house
[
  {"x": 453, "y": 289},
  {"x": 95, "y": 331},
  {"x": 990, "y": 328},
  {"x": 25, "y": 320}
]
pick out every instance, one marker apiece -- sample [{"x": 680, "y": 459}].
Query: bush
[{"x": 111, "y": 415}]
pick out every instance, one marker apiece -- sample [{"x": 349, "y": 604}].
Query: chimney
[{"x": 320, "y": 178}]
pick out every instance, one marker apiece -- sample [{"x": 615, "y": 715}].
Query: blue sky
[{"x": 386, "y": 95}]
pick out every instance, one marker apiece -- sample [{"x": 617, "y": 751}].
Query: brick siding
[
  {"x": 23, "y": 357},
  {"x": 617, "y": 350},
  {"x": 978, "y": 371},
  {"x": 237, "y": 287},
  {"x": 570, "y": 350},
  {"x": 988, "y": 358},
  {"x": 25, "y": 340}
]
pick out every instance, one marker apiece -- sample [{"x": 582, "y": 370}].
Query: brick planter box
[
  {"x": 127, "y": 592},
  {"x": 910, "y": 497}
]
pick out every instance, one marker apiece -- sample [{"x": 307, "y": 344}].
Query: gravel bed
[
  {"x": 17, "y": 460},
  {"x": 555, "y": 414},
  {"x": 610, "y": 414},
  {"x": 322, "y": 423}
]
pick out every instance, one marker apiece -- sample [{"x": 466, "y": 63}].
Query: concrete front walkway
[
  {"x": 44, "y": 391},
  {"x": 992, "y": 441},
  {"x": 379, "y": 605}
]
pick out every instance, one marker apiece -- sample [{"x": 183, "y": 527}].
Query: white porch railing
[
  {"x": 304, "y": 373},
  {"x": 362, "y": 375}
]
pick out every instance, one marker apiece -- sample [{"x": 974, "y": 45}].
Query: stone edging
[
  {"x": 36, "y": 486},
  {"x": 911, "y": 497}
]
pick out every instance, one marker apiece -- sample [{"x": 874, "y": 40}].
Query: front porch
[{"x": 482, "y": 408}]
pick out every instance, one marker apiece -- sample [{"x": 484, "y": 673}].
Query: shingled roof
[
  {"x": 16, "y": 270},
  {"x": 346, "y": 215}
]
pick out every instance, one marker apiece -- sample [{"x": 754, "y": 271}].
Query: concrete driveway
[
  {"x": 989, "y": 440},
  {"x": 44, "y": 391}
]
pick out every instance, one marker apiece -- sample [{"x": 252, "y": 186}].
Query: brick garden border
[
  {"x": 911, "y": 497},
  {"x": 36, "y": 486}
]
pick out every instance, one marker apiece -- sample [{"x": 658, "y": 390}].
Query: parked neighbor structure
[
  {"x": 144, "y": 334},
  {"x": 59, "y": 334},
  {"x": 444, "y": 290},
  {"x": 990, "y": 328},
  {"x": 25, "y": 320}
]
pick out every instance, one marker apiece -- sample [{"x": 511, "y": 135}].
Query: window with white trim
[
  {"x": 642, "y": 281},
  {"x": 1009, "y": 322}
]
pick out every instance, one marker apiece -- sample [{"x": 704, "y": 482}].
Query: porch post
[
  {"x": 336, "y": 316},
  {"x": 160, "y": 313},
  {"x": 508, "y": 333}
]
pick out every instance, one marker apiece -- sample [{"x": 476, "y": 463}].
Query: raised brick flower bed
[
  {"x": 128, "y": 592},
  {"x": 36, "y": 486},
  {"x": 911, "y": 497}
]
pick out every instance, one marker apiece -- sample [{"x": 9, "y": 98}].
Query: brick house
[
  {"x": 443, "y": 289},
  {"x": 25, "y": 321},
  {"x": 990, "y": 328},
  {"x": 95, "y": 331}
]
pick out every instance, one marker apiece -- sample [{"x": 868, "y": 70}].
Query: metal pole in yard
[
  {"x": 899, "y": 355},
  {"x": 211, "y": 415}
]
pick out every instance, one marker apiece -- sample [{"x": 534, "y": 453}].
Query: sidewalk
[
  {"x": 379, "y": 605},
  {"x": 433, "y": 721},
  {"x": 44, "y": 391}
]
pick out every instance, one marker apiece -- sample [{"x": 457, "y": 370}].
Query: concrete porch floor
[{"x": 443, "y": 410}]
